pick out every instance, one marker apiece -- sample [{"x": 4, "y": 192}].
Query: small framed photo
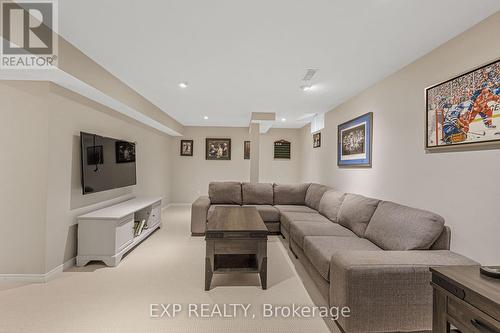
[
  {"x": 317, "y": 140},
  {"x": 355, "y": 142},
  {"x": 186, "y": 147},
  {"x": 246, "y": 150},
  {"x": 125, "y": 152},
  {"x": 218, "y": 149}
]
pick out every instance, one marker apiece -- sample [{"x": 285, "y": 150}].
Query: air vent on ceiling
[{"x": 309, "y": 74}]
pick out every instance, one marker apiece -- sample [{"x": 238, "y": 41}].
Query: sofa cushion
[
  {"x": 300, "y": 229},
  {"x": 356, "y": 212},
  {"x": 330, "y": 204},
  {"x": 225, "y": 193},
  {"x": 314, "y": 194},
  {"x": 212, "y": 209},
  {"x": 288, "y": 217},
  {"x": 320, "y": 249},
  {"x": 290, "y": 194},
  {"x": 257, "y": 193},
  {"x": 402, "y": 228},
  {"x": 267, "y": 212},
  {"x": 294, "y": 208}
]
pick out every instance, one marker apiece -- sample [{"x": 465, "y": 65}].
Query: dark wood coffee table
[
  {"x": 236, "y": 240},
  {"x": 465, "y": 299}
]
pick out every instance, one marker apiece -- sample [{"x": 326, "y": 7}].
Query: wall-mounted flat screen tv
[{"x": 106, "y": 163}]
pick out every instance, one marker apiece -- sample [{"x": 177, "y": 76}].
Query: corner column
[{"x": 254, "y": 152}]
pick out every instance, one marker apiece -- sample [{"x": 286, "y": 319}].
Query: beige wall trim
[
  {"x": 79, "y": 73},
  {"x": 77, "y": 64},
  {"x": 72, "y": 83},
  {"x": 39, "y": 278}
]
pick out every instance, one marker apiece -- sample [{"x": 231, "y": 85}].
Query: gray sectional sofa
[{"x": 370, "y": 255}]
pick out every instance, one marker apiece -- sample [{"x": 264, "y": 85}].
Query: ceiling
[{"x": 240, "y": 57}]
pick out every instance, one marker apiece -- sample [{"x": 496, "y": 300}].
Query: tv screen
[{"x": 106, "y": 163}]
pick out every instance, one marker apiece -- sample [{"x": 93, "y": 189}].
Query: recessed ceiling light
[
  {"x": 305, "y": 88},
  {"x": 283, "y": 119},
  {"x": 205, "y": 117},
  {"x": 183, "y": 84}
]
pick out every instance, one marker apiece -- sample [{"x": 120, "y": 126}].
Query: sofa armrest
[
  {"x": 387, "y": 290},
  {"x": 199, "y": 211}
]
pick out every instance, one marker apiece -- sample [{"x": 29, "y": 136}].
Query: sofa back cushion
[
  {"x": 290, "y": 194},
  {"x": 225, "y": 193},
  {"x": 400, "y": 228},
  {"x": 314, "y": 194},
  {"x": 443, "y": 241},
  {"x": 257, "y": 193},
  {"x": 330, "y": 203},
  {"x": 356, "y": 212}
]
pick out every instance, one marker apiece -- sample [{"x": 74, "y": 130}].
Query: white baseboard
[{"x": 38, "y": 278}]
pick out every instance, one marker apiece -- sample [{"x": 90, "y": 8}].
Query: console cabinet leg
[
  {"x": 80, "y": 262},
  {"x": 112, "y": 261}
]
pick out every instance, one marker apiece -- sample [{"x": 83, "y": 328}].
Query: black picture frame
[
  {"x": 246, "y": 150},
  {"x": 317, "y": 140},
  {"x": 282, "y": 149},
  {"x": 462, "y": 111},
  {"x": 186, "y": 147},
  {"x": 217, "y": 149},
  {"x": 125, "y": 152}
]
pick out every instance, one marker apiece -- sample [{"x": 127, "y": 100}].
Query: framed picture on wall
[
  {"x": 355, "y": 142},
  {"x": 317, "y": 140},
  {"x": 464, "y": 110},
  {"x": 125, "y": 152},
  {"x": 218, "y": 149},
  {"x": 186, "y": 147},
  {"x": 282, "y": 149},
  {"x": 246, "y": 150}
]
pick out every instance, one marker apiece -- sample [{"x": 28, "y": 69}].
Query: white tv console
[{"x": 107, "y": 234}]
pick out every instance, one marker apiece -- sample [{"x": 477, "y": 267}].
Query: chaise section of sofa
[{"x": 387, "y": 291}]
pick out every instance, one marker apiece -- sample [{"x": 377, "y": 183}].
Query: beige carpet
[{"x": 166, "y": 268}]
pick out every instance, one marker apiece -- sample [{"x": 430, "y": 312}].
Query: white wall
[
  {"x": 41, "y": 123},
  {"x": 191, "y": 175},
  {"x": 280, "y": 170},
  {"x": 23, "y": 181},
  {"x": 461, "y": 186}
]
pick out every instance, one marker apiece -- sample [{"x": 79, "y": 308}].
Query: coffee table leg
[
  {"x": 208, "y": 274},
  {"x": 209, "y": 262},
  {"x": 263, "y": 273}
]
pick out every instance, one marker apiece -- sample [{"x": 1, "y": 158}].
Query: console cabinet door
[
  {"x": 124, "y": 232},
  {"x": 155, "y": 216}
]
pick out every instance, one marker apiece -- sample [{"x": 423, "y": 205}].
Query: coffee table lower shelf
[
  {"x": 236, "y": 241},
  {"x": 229, "y": 263}
]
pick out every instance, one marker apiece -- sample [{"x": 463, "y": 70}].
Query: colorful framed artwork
[
  {"x": 218, "y": 149},
  {"x": 186, "y": 148},
  {"x": 317, "y": 140},
  {"x": 464, "y": 110},
  {"x": 355, "y": 142},
  {"x": 246, "y": 150}
]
